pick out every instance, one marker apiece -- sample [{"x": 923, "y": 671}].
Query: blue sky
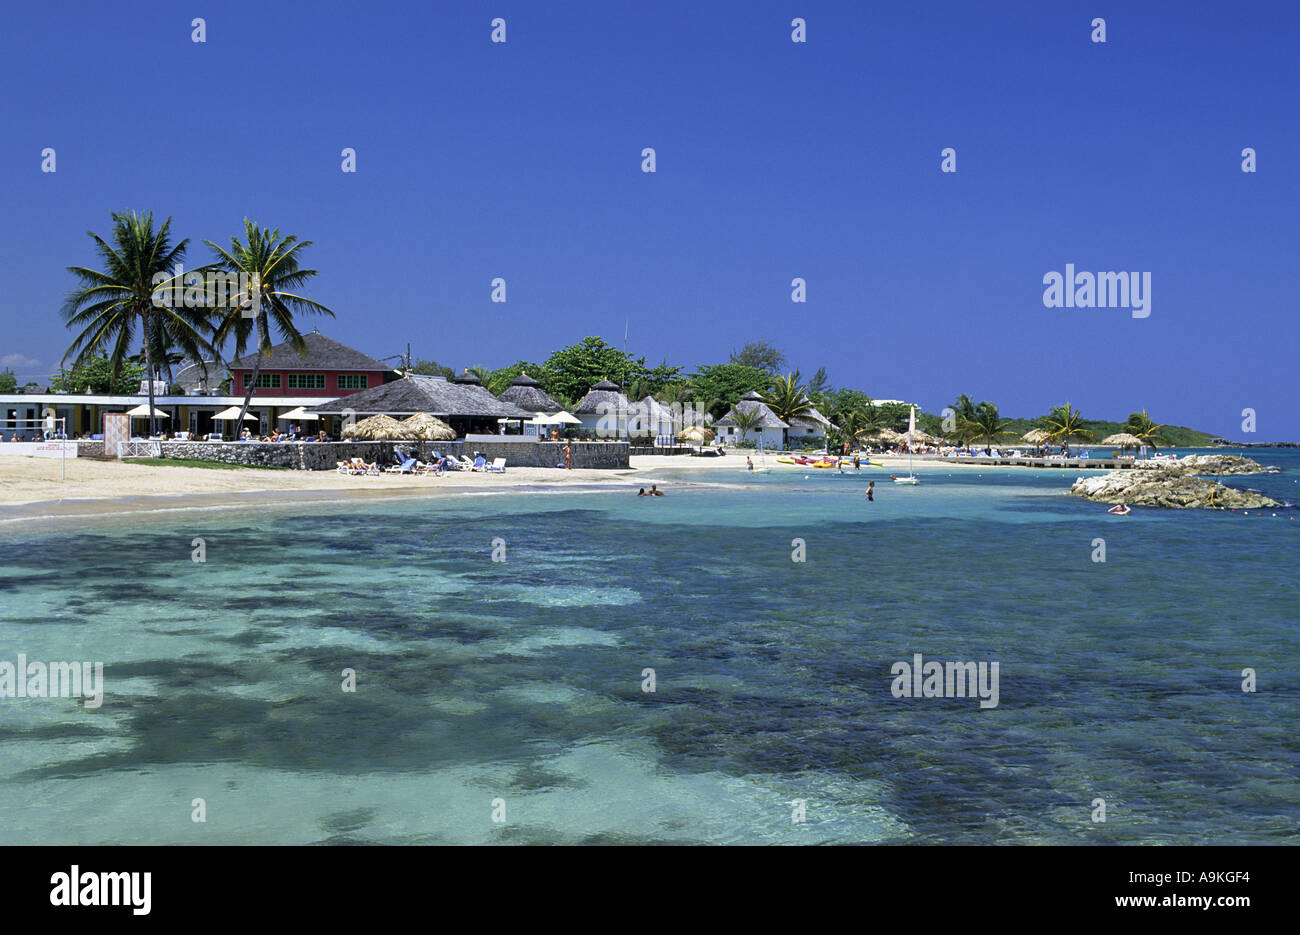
[{"x": 775, "y": 160}]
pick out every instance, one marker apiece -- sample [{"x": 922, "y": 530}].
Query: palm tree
[
  {"x": 1139, "y": 425},
  {"x": 987, "y": 425},
  {"x": 110, "y": 304},
  {"x": 745, "y": 420},
  {"x": 270, "y": 263},
  {"x": 788, "y": 400},
  {"x": 1065, "y": 423}
]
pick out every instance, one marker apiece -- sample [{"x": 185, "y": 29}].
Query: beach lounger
[
  {"x": 465, "y": 463},
  {"x": 480, "y": 464},
  {"x": 498, "y": 466}
]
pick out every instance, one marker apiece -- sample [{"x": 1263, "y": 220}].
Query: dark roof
[
  {"x": 468, "y": 379},
  {"x": 424, "y": 394},
  {"x": 603, "y": 399},
  {"x": 530, "y": 396},
  {"x": 813, "y": 419},
  {"x": 751, "y": 401},
  {"x": 191, "y": 374},
  {"x": 322, "y": 354},
  {"x": 524, "y": 380}
]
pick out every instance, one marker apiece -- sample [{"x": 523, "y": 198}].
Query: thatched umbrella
[
  {"x": 695, "y": 433},
  {"x": 1036, "y": 436},
  {"x": 1123, "y": 440},
  {"x": 377, "y": 429},
  {"x": 429, "y": 428}
]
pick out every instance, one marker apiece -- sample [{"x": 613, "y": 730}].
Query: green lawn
[{"x": 216, "y": 465}]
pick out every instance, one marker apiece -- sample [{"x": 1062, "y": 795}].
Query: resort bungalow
[
  {"x": 527, "y": 394},
  {"x": 286, "y": 382},
  {"x": 808, "y": 430},
  {"x": 652, "y": 418},
  {"x": 767, "y": 432},
  {"x": 462, "y": 403},
  {"x": 327, "y": 371},
  {"x": 604, "y": 411}
]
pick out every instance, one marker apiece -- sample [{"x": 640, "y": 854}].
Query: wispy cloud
[{"x": 19, "y": 362}]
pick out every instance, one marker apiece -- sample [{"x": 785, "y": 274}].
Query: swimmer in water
[
  {"x": 1120, "y": 509},
  {"x": 870, "y": 489},
  {"x": 643, "y": 493}
]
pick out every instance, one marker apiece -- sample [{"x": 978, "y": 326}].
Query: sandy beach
[{"x": 94, "y": 485}]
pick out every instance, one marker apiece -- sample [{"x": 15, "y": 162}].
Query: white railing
[{"x": 152, "y": 449}]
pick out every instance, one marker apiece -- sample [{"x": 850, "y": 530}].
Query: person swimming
[
  {"x": 1120, "y": 509},
  {"x": 655, "y": 491},
  {"x": 870, "y": 490},
  {"x": 643, "y": 493}
]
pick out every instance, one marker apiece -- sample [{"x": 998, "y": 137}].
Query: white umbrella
[
  {"x": 142, "y": 412},
  {"x": 300, "y": 415},
  {"x": 564, "y": 418},
  {"x": 226, "y": 415}
]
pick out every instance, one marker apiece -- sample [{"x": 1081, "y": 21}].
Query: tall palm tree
[
  {"x": 965, "y": 408},
  {"x": 1064, "y": 423},
  {"x": 128, "y": 293},
  {"x": 1139, "y": 425},
  {"x": 271, "y": 264},
  {"x": 788, "y": 400},
  {"x": 987, "y": 425}
]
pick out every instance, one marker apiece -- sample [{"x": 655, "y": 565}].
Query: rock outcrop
[
  {"x": 1207, "y": 464},
  {"x": 1168, "y": 487}
]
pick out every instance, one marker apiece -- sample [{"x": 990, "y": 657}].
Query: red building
[{"x": 329, "y": 370}]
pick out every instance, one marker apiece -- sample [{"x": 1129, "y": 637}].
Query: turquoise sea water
[{"x": 521, "y": 681}]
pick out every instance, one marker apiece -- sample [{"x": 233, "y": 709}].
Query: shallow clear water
[{"x": 522, "y": 680}]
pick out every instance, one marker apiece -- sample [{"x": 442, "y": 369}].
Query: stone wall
[{"x": 324, "y": 456}]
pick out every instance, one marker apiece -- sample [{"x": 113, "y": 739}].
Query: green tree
[
  {"x": 986, "y": 424},
  {"x": 720, "y": 386},
  {"x": 1139, "y": 424},
  {"x": 788, "y": 400},
  {"x": 431, "y": 368},
  {"x": 745, "y": 420},
  {"x": 112, "y": 303},
  {"x": 96, "y": 375},
  {"x": 1064, "y": 424},
  {"x": 761, "y": 355},
  {"x": 272, "y": 266},
  {"x": 573, "y": 370},
  {"x": 8, "y": 382}
]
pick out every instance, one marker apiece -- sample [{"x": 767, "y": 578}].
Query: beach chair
[
  {"x": 480, "y": 464},
  {"x": 498, "y": 466},
  {"x": 465, "y": 463}
]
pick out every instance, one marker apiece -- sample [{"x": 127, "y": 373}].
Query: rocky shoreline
[
  {"x": 1208, "y": 464},
  {"x": 1177, "y": 485}
]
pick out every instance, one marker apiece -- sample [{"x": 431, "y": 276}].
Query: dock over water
[{"x": 1085, "y": 464}]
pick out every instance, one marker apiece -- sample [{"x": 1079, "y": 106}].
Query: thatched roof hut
[
  {"x": 429, "y": 428},
  {"x": 417, "y": 393},
  {"x": 603, "y": 399},
  {"x": 377, "y": 429},
  {"x": 752, "y": 402},
  {"x": 527, "y": 393},
  {"x": 1036, "y": 436},
  {"x": 467, "y": 379}
]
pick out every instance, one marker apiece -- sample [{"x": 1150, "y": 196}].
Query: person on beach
[
  {"x": 870, "y": 490},
  {"x": 857, "y": 462},
  {"x": 749, "y": 463},
  {"x": 1120, "y": 509},
  {"x": 568, "y": 457}
]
